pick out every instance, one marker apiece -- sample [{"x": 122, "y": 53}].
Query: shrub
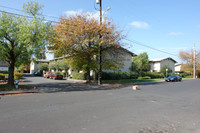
[
  {"x": 188, "y": 77},
  {"x": 5, "y": 72},
  {"x": 2, "y": 76},
  {"x": 105, "y": 76},
  {"x": 154, "y": 75},
  {"x": 81, "y": 76},
  {"x": 64, "y": 74},
  {"x": 146, "y": 77},
  {"x": 185, "y": 74},
  {"x": 17, "y": 75},
  {"x": 133, "y": 75},
  {"x": 116, "y": 75}
]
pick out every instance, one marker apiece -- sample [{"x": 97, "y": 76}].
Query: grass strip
[
  {"x": 122, "y": 81},
  {"x": 6, "y": 87}
]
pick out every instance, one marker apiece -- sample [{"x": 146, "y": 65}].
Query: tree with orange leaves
[
  {"x": 187, "y": 58},
  {"x": 78, "y": 37}
]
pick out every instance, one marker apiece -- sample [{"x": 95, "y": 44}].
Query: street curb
[
  {"x": 104, "y": 86},
  {"x": 131, "y": 84},
  {"x": 16, "y": 93}
]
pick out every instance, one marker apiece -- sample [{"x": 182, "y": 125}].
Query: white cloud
[
  {"x": 72, "y": 13},
  {"x": 139, "y": 24},
  {"x": 175, "y": 33},
  {"x": 80, "y": 12}
]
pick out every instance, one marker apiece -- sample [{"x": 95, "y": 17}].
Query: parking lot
[
  {"x": 50, "y": 85},
  {"x": 158, "y": 108}
]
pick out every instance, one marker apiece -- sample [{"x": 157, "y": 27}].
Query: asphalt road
[
  {"x": 45, "y": 85},
  {"x": 159, "y": 108}
]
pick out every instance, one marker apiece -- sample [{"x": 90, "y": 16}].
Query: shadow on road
[
  {"x": 69, "y": 87},
  {"x": 52, "y": 86}
]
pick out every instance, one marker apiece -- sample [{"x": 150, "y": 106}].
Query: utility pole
[
  {"x": 194, "y": 61},
  {"x": 100, "y": 46}
]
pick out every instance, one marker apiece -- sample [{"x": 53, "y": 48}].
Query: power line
[
  {"x": 22, "y": 11},
  {"x": 144, "y": 45},
  {"x": 133, "y": 41},
  {"x": 25, "y": 16}
]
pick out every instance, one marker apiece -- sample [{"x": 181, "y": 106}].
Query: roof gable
[
  {"x": 122, "y": 49},
  {"x": 3, "y": 64},
  {"x": 162, "y": 59}
]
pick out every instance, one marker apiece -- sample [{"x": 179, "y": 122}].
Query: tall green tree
[
  {"x": 78, "y": 37},
  {"x": 43, "y": 67},
  {"x": 22, "y": 37},
  {"x": 140, "y": 62},
  {"x": 63, "y": 65},
  {"x": 53, "y": 65}
]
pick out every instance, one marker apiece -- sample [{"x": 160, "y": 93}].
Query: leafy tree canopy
[
  {"x": 43, "y": 67},
  {"x": 79, "y": 38},
  {"x": 187, "y": 58},
  {"x": 140, "y": 62},
  {"x": 22, "y": 37}
]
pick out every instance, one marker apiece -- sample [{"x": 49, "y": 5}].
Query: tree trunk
[
  {"x": 100, "y": 66},
  {"x": 88, "y": 68},
  {"x": 11, "y": 72},
  {"x": 88, "y": 76}
]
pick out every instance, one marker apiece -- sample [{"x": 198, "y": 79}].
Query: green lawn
[
  {"x": 130, "y": 81},
  {"x": 5, "y": 87}
]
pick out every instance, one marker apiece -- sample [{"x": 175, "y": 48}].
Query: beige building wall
[
  {"x": 118, "y": 54},
  {"x": 169, "y": 63},
  {"x": 156, "y": 65}
]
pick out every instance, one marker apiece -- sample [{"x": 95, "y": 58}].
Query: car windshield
[{"x": 173, "y": 76}]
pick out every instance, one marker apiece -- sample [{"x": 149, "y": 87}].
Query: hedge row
[
  {"x": 146, "y": 77},
  {"x": 16, "y": 76},
  {"x": 81, "y": 76},
  {"x": 117, "y": 75},
  {"x": 132, "y": 75},
  {"x": 2, "y": 76}
]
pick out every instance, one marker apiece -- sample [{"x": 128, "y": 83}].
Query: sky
[{"x": 166, "y": 25}]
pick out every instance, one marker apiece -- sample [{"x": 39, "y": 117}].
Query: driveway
[
  {"x": 50, "y": 85},
  {"x": 157, "y": 108}
]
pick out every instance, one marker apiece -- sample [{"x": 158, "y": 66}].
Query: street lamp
[
  {"x": 97, "y": 1},
  {"x": 166, "y": 71}
]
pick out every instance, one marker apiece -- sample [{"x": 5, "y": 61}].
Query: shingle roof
[
  {"x": 123, "y": 49},
  {"x": 3, "y": 64},
  {"x": 158, "y": 60},
  {"x": 127, "y": 51}
]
